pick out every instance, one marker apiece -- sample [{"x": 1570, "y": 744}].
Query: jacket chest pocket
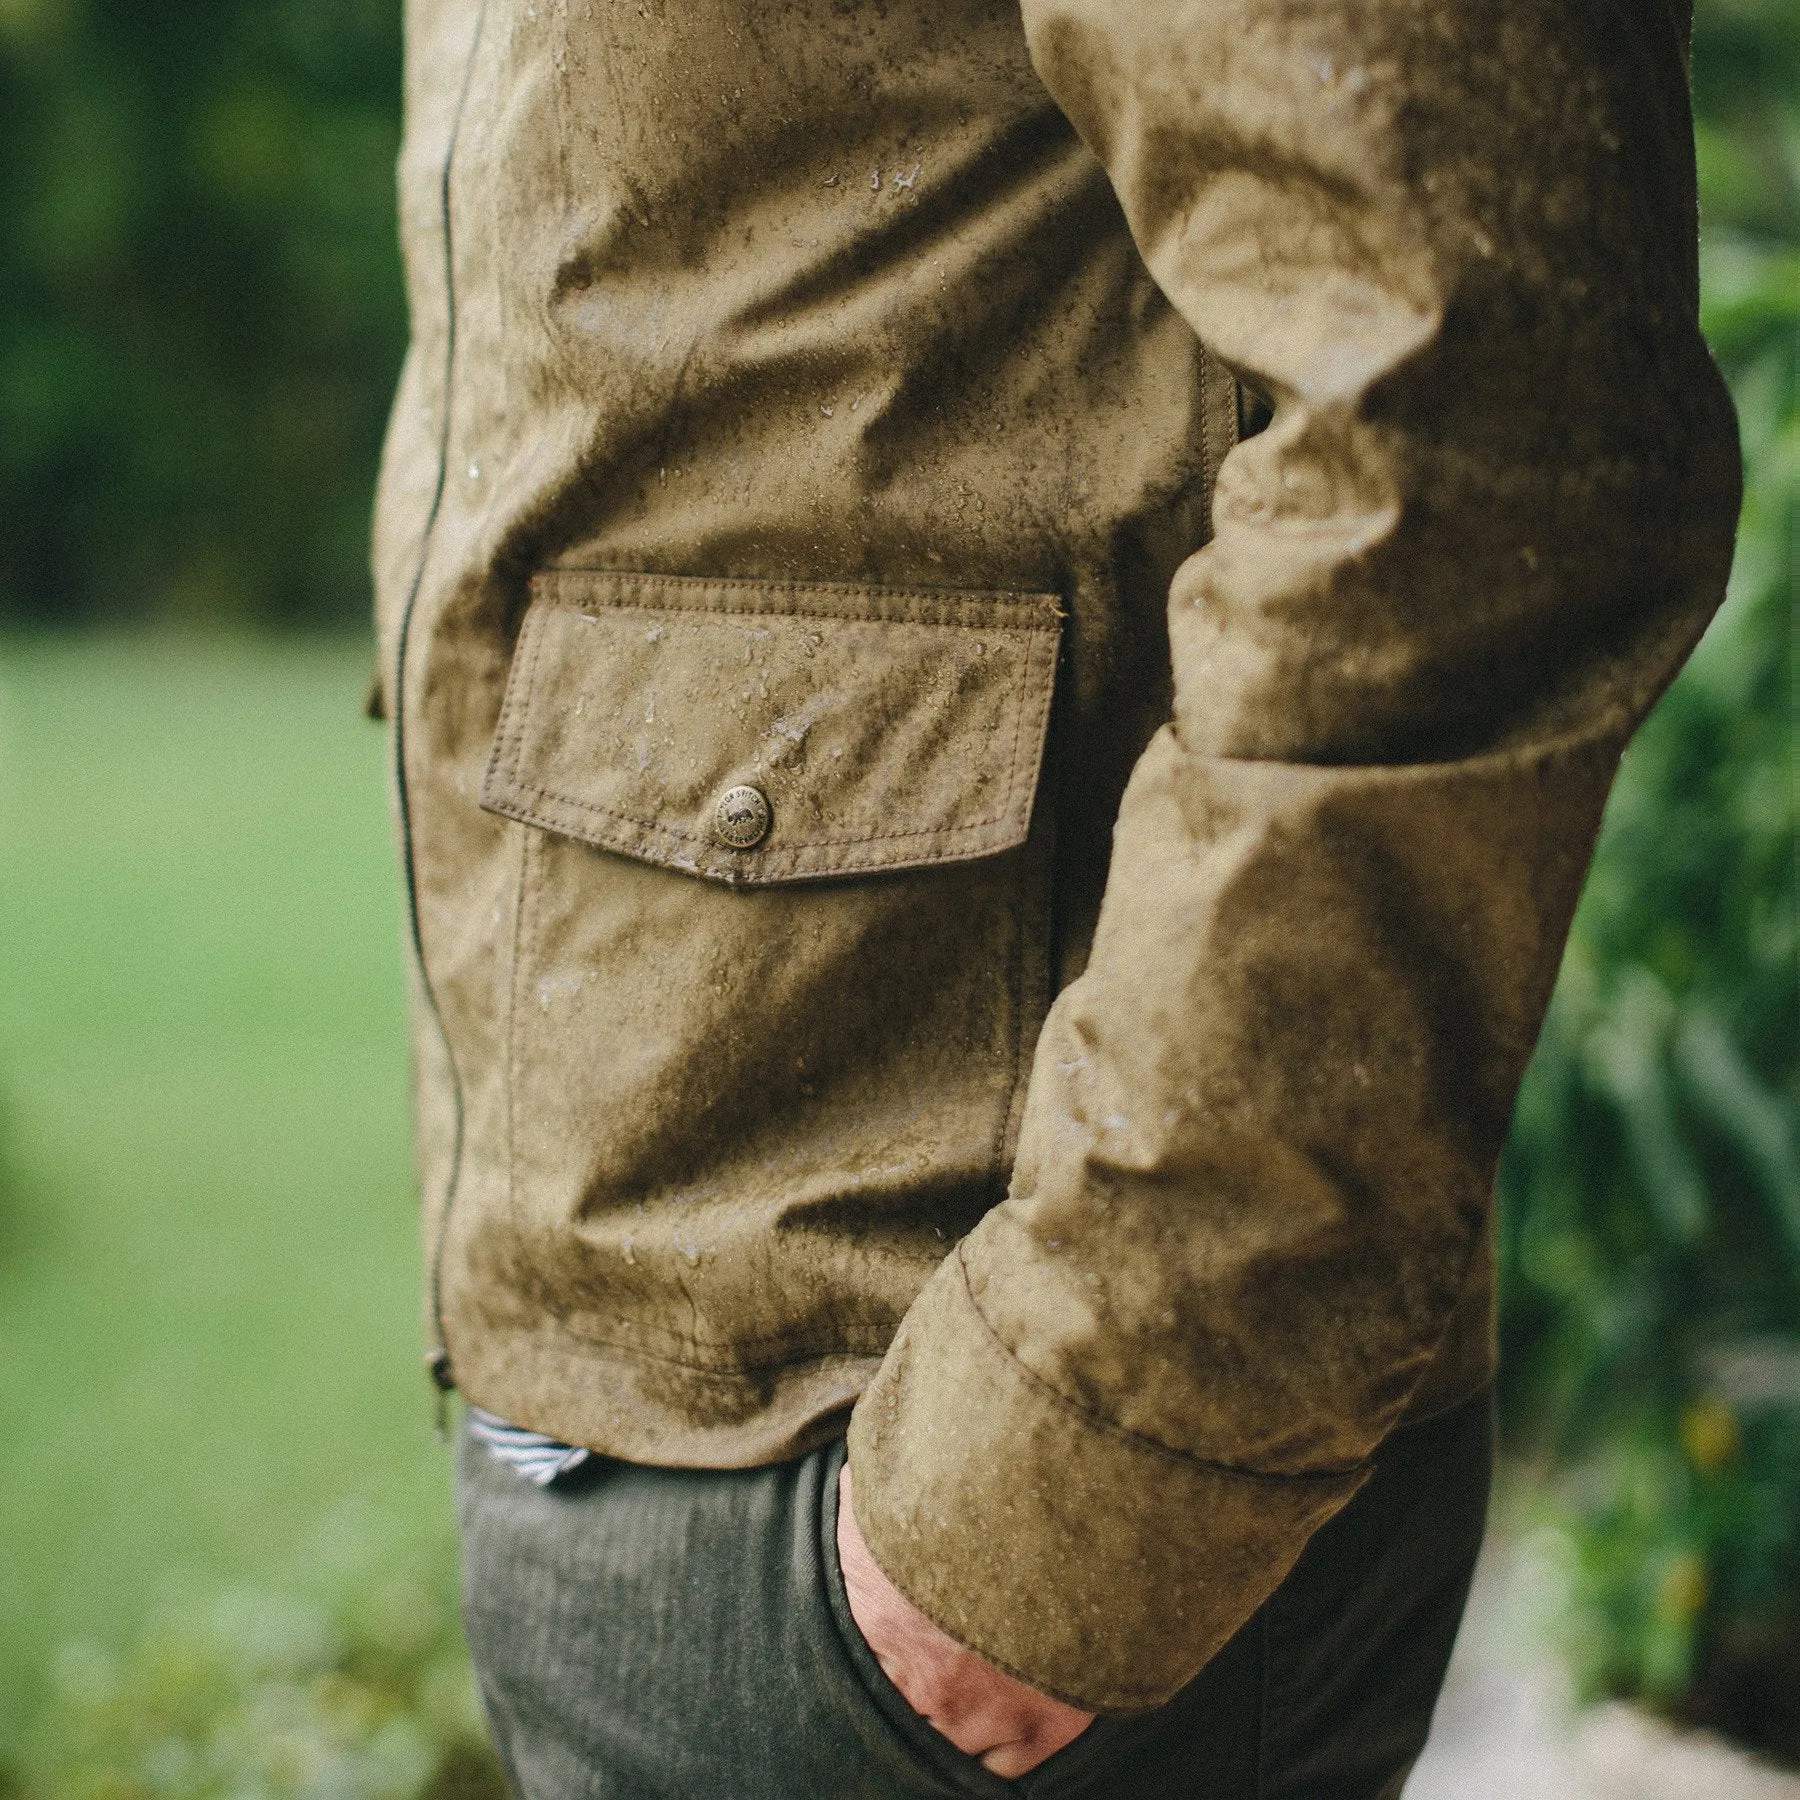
[{"x": 781, "y": 946}]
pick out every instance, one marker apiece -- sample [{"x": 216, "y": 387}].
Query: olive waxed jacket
[{"x": 945, "y": 882}]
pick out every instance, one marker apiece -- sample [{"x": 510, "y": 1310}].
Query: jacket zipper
[{"x": 437, "y": 1360}]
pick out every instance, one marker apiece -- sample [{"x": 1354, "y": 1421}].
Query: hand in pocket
[{"x": 1009, "y": 1727}]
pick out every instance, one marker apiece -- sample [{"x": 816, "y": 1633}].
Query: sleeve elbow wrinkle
[{"x": 1457, "y": 567}]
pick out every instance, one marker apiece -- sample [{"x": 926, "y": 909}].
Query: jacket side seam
[
  {"x": 515, "y": 1059},
  {"x": 1023, "y": 915}
]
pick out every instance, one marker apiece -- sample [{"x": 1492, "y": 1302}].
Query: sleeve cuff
[{"x": 1098, "y": 1566}]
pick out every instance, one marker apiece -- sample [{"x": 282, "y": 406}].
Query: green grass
[{"x": 208, "y": 1314}]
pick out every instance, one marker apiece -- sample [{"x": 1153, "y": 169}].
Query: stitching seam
[
  {"x": 1013, "y": 599},
  {"x": 937, "y": 618},
  {"x": 1149, "y": 1445}
]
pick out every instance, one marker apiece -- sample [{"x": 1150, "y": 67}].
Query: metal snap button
[{"x": 742, "y": 817}]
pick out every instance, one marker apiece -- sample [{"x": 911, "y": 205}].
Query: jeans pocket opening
[{"x": 928, "y": 1748}]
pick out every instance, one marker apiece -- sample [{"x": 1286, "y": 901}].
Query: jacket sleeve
[{"x": 1455, "y": 243}]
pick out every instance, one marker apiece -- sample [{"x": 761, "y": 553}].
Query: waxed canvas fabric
[{"x": 945, "y": 883}]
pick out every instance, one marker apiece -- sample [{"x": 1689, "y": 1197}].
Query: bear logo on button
[{"x": 742, "y": 817}]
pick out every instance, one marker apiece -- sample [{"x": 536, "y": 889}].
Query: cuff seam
[{"x": 1333, "y": 1475}]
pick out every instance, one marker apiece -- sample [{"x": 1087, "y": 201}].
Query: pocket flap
[{"x": 755, "y": 732}]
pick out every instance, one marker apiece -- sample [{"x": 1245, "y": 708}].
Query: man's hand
[{"x": 1010, "y": 1727}]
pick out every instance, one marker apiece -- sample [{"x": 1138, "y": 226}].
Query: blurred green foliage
[
  {"x": 1651, "y": 1189},
  {"x": 200, "y": 308},
  {"x": 200, "y": 322},
  {"x": 208, "y": 1242},
  {"x": 344, "y": 1681}
]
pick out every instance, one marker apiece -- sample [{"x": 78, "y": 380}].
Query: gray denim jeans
[{"x": 668, "y": 1634}]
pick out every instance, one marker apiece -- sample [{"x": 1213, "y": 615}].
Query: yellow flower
[
  {"x": 1683, "y": 1589},
  {"x": 1709, "y": 1434}
]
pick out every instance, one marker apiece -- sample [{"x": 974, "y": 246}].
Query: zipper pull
[{"x": 437, "y": 1365}]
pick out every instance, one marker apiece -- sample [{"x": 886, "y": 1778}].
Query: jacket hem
[{"x": 638, "y": 1407}]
